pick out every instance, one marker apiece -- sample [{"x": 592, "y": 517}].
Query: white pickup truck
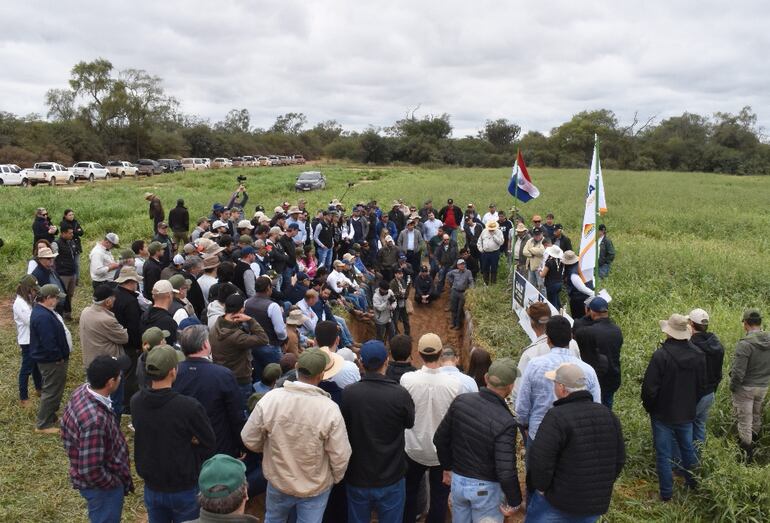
[
  {"x": 90, "y": 171},
  {"x": 121, "y": 168},
  {"x": 50, "y": 173}
]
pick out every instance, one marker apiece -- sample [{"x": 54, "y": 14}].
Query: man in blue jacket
[{"x": 49, "y": 347}]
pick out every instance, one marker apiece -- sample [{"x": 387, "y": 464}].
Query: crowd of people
[{"x": 227, "y": 348}]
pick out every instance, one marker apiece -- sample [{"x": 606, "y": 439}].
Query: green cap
[
  {"x": 178, "y": 281},
  {"x": 155, "y": 336},
  {"x": 29, "y": 281},
  {"x": 502, "y": 372},
  {"x": 312, "y": 362},
  {"x": 127, "y": 254},
  {"x": 51, "y": 289},
  {"x": 220, "y": 476},
  {"x": 271, "y": 372},
  {"x": 253, "y": 400},
  {"x": 155, "y": 247},
  {"x": 161, "y": 359},
  {"x": 752, "y": 315}
]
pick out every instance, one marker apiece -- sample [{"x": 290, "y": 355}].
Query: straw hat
[
  {"x": 296, "y": 318},
  {"x": 570, "y": 258},
  {"x": 149, "y": 195},
  {"x": 334, "y": 365},
  {"x": 677, "y": 326},
  {"x": 294, "y": 210},
  {"x": 45, "y": 252},
  {"x": 554, "y": 251},
  {"x": 491, "y": 225},
  {"x": 128, "y": 274},
  {"x": 348, "y": 257},
  {"x": 520, "y": 227},
  {"x": 210, "y": 262}
]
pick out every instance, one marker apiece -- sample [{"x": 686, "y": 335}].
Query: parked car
[
  {"x": 194, "y": 164},
  {"x": 274, "y": 160},
  {"x": 148, "y": 167},
  {"x": 121, "y": 168},
  {"x": 263, "y": 161},
  {"x": 9, "y": 175},
  {"x": 237, "y": 161},
  {"x": 90, "y": 171},
  {"x": 50, "y": 173},
  {"x": 170, "y": 165},
  {"x": 249, "y": 161},
  {"x": 221, "y": 163},
  {"x": 309, "y": 181},
  {"x": 207, "y": 162},
  {"x": 299, "y": 159}
]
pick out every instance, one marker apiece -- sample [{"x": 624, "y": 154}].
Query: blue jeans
[
  {"x": 345, "y": 337},
  {"x": 701, "y": 417},
  {"x": 309, "y": 510},
  {"x": 117, "y": 398},
  {"x": 387, "y": 502},
  {"x": 539, "y": 510},
  {"x": 358, "y": 299},
  {"x": 608, "y": 399},
  {"x": 28, "y": 368},
  {"x": 476, "y": 500},
  {"x": 552, "y": 293},
  {"x": 604, "y": 270},
  {"x": 104, "y": 506},
  {"x": 665, "y": 439},
  {"x": 324, "y": 256},
  {"x": 261, "y": 356},
  {"x": 171, "y": 507}
]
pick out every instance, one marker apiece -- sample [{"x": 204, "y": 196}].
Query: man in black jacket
[
  {"x": 476, "y": 445},
  {"x": 600, "y": 344},
  {"x": 158, "y": 315},
  {"x": 179, "y": 221},
  {"x": 128, "y": 312},
  {"x": 376, "y": 410},
  {"x": 66, "y": 265},
  {"x": 152, "y": 267},
  {"x": 674, "y": 381},
  {"x": 577, "y": 455},
  {"x": 173, "y": 438},
  {"x": 162, "y": 237},
  {"x": 559, "y": 239},
  {"x": 714, "y": 352}
]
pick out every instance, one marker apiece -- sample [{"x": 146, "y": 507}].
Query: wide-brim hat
[
  {"x": 491, "y": 225},
  {"x": 296, "y": 318},
  {"x": 46, "y": 252},
  {"x": 554, "y": 251},
  {"x": 128, "y": 274},
  {"x": 294, "y": 210},
  {"x": 570, "y": 258},
  {"x": 210, "y": 262},
  {"x": 520, "y": 227},
  {"x": 677, "y": 326},
  {"x": 334, "y": 365}
]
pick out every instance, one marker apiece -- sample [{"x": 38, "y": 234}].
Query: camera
[{"x": 241, "y": 178}]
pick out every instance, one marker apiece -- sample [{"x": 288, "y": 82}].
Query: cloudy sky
[{"x": 369, "y": 62}]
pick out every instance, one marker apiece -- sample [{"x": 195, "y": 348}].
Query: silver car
[{"x": 310, "y": 181}]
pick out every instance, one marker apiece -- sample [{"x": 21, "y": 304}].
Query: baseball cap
[
  {"x": 569, "y": 375},
  {"x": 312, "y": 362},
  {"x": 502, "y": 372},
  {"x": 127, "y": 254},
  {"x": 460, "y": 262},
  {"x": 178, "y": 259},
  {"x": 699, "y": 316},
  {"x": 245, "y": 224},
  {"x": 155, "y": 336},
  {"x": 217, "y": 224},
  {"x": 233, "y": 303},
  {"x": 102, "y": 292},
  {"x": 271, "y": 372},
  {"x": 112, "y": 238},
  {"x": 220, "y": 476},
  {"x": 598, "y": 304},
  {"x": 373, "y": 354},
  {"x": 178, "y": 281},
  {"x": 189, "y": 322},
  {"x": 247, "y": 250},
  {"x": 748, "y": 314},
  {"x": 161, "y": 359},
  {"x": 162, "y": 225},
  {"x": 537, "y": 230},
  {"x": 50, "y": 290},
  {"x": 429, "y": 344},
  {"x": 163, "y": 287},
  {"x": 155, "y": 247},
  {"x": 293, "y": 226}
]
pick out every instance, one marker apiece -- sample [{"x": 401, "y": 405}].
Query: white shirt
[
  {"x": 335, "y": 279},
  {"x": 101, "y": 259},
  {"x": 312, "y": 318},
  {"x": 432, "y": 392},
  {"x": 430, "y": 228},
  {"x": 489, "y": 217},
  {"x": 205, "y": 281},
  {"x": 31, "y": 266},
  {"x": 539, "y": 347},
  {"x": 180, "y": 315},
  {"x": 347, "y": 376},
  {"x": 139, "y": 265},
  {"x": 468, "y": 383},
  {"x": 409, "y": 240},
  {"x": 21, "y": 314}
]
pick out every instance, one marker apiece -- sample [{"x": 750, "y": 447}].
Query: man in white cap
[
  {"x": 158, "y": 315},
  {"x": 673, "y": 383},
  {"x": 714, "y": 352},
  {"x": 103, "y": 265}
]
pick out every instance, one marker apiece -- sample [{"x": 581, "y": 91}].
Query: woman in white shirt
[{"x": 22, "y": 309}]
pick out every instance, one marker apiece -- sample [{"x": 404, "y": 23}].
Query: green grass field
[{"x": 684, "y": 240}]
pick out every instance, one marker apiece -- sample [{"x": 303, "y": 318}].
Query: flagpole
[
  {"x": 516, "y": 188},
  {"x": 596, "y": 225}
]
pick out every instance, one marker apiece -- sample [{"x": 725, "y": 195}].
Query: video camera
[{"x": 241, "y": 179}]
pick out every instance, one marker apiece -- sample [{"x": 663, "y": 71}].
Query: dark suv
[
  {"x": 148, "y": 167},
  {"x": 170, "y": 165}
]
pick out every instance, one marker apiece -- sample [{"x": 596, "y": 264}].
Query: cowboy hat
[
  {"x": 520, "y": 227},
  {"x": 294, "y": 210},
  {"x": 46, "y": 252},
  {"x": 677, "y": 326},
  {"x": 491, "y": 225},
  {"x": 570, "y": 258},
  {"x": 128, "y": 274},
  {"x": 296, "y": 318},
  {"x": 334, "y": 365},
  {"x": 554, "y": 251}
]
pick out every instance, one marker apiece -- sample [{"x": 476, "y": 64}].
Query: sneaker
[{"x": 49, "y": 430}]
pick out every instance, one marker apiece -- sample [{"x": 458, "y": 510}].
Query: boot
[
  {"x": 747, "y": 452},
  {"x": 494, "y": 278},
  {"x": 485, "y": 275}
]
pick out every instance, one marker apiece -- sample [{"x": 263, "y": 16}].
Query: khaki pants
[
  {"x": 180, "y": 238},
  {"x": 747, "y": 404}
]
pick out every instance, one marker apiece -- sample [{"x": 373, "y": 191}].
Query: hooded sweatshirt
[
  {"x": 173, "y": 438},
  {"x": 674, "y": 382},
  {"x": 161, "y": 318},
  {"x": 751, "y": 366},
  {"x": 710, "y": 345}
]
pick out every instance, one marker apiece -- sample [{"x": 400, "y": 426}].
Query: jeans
[
  {"x": 533, "y": 278},
  {"x": 476, "y": 500},
  {"x": 358, "y": 299},
  {"x": 278, "y": 505},
  {"x": 456, "y": 305},
  {"x": 384, "y": 331},
  {"x": 665, "y": 438},
  {"x": 552, "y": 293},
  {"x": 442, "y": 272},
  {"x": 747, "y": 403},
  {"x": 701, "y": 417},
  {"x": 439, "y": 493},
  {"x": 604, "y": 270},
  {"x": 541, "y": 511},
  {"x": 69, "y": 283},
  {"x": 608, "y": 399},
  {"x": 28, "y": 367},
  {"x": 489, "y": 265},
  {"x": 104, "y": 506},
  {"x": 54, "y": 379},
  {"x": 324, "y": 256},
  {"x": 345, "y": 337},
  {"x": 387, "y": 503},
  {"x": 168, "y": 507},
  {"x": 117, "y": 399},
  {"x": 261, "y": 356}
]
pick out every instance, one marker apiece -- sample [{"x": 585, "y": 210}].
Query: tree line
[{"x": 109, "y": 114}]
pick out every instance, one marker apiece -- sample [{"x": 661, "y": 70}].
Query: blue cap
[
  {"x": 598, "y": 304},
  {"x": 188, "y": 322},
  {"x": 247, "y": 250},
  {"x": 293, "y": 226},
  {"x": 218, "y": 207},
  {"x": 373, "y": 354},
  {"x": 401, "y": 256}
]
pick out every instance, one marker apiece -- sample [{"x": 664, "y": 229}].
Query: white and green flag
[{"x": 596, "y": 205}]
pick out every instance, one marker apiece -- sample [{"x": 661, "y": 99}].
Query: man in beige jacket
[
  {"x": 533, "y": 251},
  {"x": 304, "y": 442},
  {"x": 101, "y": 333}
]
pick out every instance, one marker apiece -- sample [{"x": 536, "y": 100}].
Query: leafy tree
[
  {"x": 289, "y": 123},
  {"x": 237, "y": 120},
  {"x": 501, "y": 133}
]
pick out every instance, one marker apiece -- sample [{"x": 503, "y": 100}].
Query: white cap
[
  {"x": 218, "y": 223},
  {"x": 699, "y": 316},
  {"x": 112, "y": 238},
  {"x": 245, "y": 224},
  {"x": 178, "y": 259},
  {"x": 163, "y": 287}
]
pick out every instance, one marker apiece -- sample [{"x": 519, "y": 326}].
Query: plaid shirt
[{"x": 96, "y": 448}]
